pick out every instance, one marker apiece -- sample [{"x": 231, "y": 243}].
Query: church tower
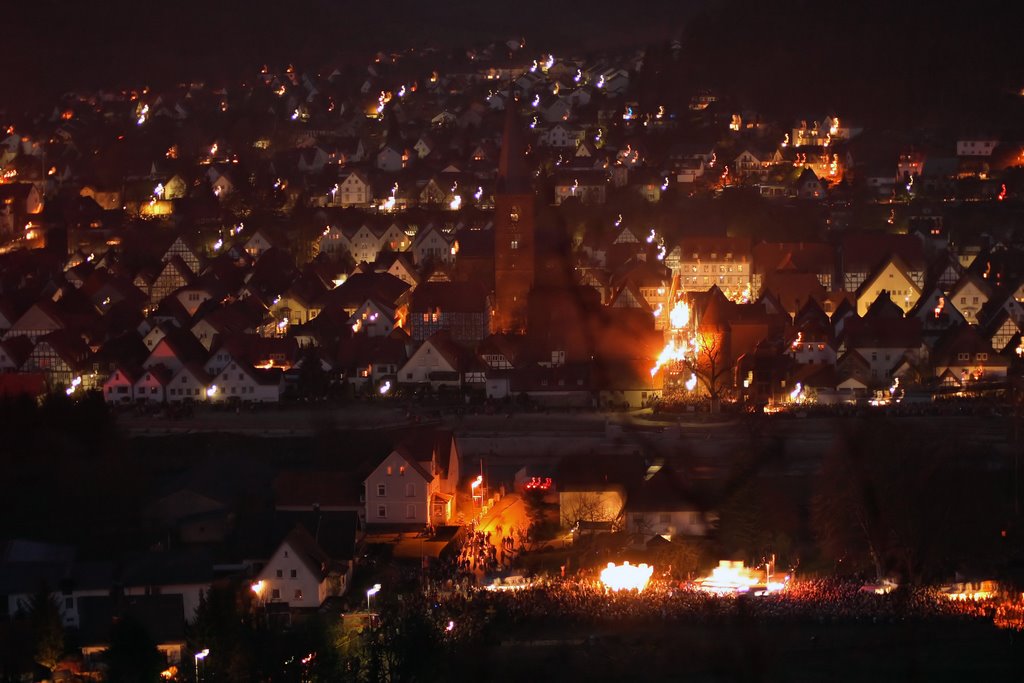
[{"x": 514, "y": 238}]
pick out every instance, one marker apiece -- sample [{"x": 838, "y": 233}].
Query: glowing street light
[
  {"x": 200, "y": 655},
  {"x": 370, "y": 592},
  {"x": 211, "y": 391}
]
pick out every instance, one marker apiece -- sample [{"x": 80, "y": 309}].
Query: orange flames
[{"x": 680, "y": 344}]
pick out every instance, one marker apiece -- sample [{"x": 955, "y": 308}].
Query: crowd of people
[
  {"x": 482, "y": 554},
  {"x": 466, "y": 610}
]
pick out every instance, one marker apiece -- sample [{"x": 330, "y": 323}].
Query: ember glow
[{"x": 626, "y": 577}]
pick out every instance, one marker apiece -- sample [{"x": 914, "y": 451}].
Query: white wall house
[
  {"x": 242, "y": 383},
  {"x": 119, "y": 387},
  {"x": 188, "y": 384},
  {"x": 397, "y": 491},
  {"x": 301, "y": 574}
]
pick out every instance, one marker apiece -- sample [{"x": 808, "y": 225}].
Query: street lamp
[
  {"x": 473, "y": 489},
  {"x": 370, "y": 592},
  {"x": 200, "y": 655}
]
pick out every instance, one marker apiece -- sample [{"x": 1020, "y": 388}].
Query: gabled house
[
  {"x": 151, "y": 386},
  {"x": 301, "y": 574},
  {"x": 862, "y": 254},
  {"x": 892, "y": 276},
  {"x": 587, "y": 186},
  {"x": 257, "y": 244},
  {"x": 190, "y": 383},
  {"x": 119, "y": 387},
  {"x": 432, "y": 245},
  {"x": 660, "y": 505},
  {"x": 354, "y": 190},
  {"x": 174, "y": 349},
  {"x": 62, "y": 357},
  {"x": 373, "y": 318},
  {"x": 174, "y": 275},
  {"x": 300, "y": 303},
  {"x": 42, "y": 318},
  {"x": 936, "y": 314},
  {"x": 884, "y": 339},
  {"x": 416, "y": 483},
  {"x": 239, "y": 382},
  {"x": 964, "y": 356},
  {"x": 450, "y": 306},
  {"x": 968, "y": 295},
  {"x": 438, "y": 362},
  {"x": 180, "y": 248}
]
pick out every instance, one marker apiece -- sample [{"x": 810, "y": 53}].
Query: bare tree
[
  {"x": 710, "y": 363},
  {"x": 586, "y": 506}
]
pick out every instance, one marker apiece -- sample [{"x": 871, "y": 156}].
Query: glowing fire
[
  {"x": 728, "y": 577},
  {"x": 679, "y": 345},
  {"x": 679, "y": 316},
  {"x": 389, "y": 203},
  {"x": 626, "y": 577},
  {"x": 797, "y": 395},
  {"x": 456, "y": 201},
  {"x": 691, "y": 383},
  {"x": 940, "y": 306}
]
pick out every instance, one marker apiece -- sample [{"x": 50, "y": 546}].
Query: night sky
[{"x": 874, "y": 59}]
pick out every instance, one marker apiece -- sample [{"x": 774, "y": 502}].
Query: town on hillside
[{"x": 465, "y": 362}]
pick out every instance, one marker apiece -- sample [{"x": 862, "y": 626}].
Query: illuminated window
[{"x": 514, "y": 244}]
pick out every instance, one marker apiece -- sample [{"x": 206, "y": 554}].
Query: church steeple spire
[{"x": 512, "y": 174}]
